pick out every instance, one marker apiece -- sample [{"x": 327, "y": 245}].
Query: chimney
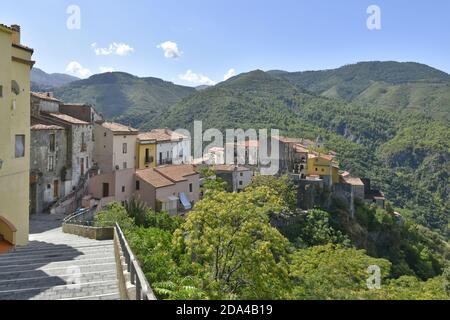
[
  {"x": 49, "y": 94},
  {"x": 16, "y": 34}
]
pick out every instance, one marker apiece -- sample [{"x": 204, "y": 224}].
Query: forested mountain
[
  {"x": 386, "y": 120},
  {"x": 388, "y": 85},
  {"x": 124, "y": 97},
  {"x": 406, "y": 154},
  {"x": 42, "y": 81}
]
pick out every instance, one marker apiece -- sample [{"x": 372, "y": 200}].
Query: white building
[{"x": 171, "y": 147}]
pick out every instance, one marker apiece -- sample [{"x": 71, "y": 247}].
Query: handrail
[{"x": 137, "y": 277}]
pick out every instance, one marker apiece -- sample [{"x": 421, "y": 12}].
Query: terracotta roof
[
  {"x": 353, "y": 181},
  {"x": 166, "y": 175},
  {"x": 21, "y": 46},
  {"x": 324, "y": 156},
  {"x": 216, "y": 149},
  {"x": 119, "y": 128},
  {"x": 161, "y": 135},
  {"x": 230, "y": 168},
  {"x": 44, "y": 96},
  {"x": 301, "y": 149},
  {"x": 40, "y": 126},
  {"x": 288, "y": 140},
  {"x": 154, "y": 178},
  {"x": 247, "y": 143},
  {"x": 66, "y": 118},
  {"x": 177, "y": 173}
]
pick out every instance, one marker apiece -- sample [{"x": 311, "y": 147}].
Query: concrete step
[
  {"x": 52, "y": 281},
  {"x": 108, "y": 296},
  {"x": 74, "y": 244},
  {"x": 55, "y": 252},
  {"x": 56, "y": 257},
  {"x": 57, "y": 264},
  {"x": 57, "y": 272},
  {"x": 62, "y": 291}
]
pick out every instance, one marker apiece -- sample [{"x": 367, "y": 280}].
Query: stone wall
[{"x": 89, "y": 232}]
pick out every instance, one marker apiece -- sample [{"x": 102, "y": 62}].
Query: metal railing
[
  {"x": 83, "y": 216},
  {"x": 137, "y": 277}
]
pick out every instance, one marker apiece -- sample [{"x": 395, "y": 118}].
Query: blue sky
[{"x": 199, "y": 41}]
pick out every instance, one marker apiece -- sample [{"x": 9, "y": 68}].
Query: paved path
[{"x": 55, "y": 265}]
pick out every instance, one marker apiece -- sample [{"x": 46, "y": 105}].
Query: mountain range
[
  {"x": 42, "y": 81},
  {"x": 388, "y": 121}
]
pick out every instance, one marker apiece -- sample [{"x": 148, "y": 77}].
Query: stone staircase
[{"x": 59, "y": 266}]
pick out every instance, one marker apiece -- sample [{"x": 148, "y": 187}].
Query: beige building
[
  {"x": 171, "y": 188},
  {"x": 15, "y": 65},
  {"x": 114, "y": 156}
]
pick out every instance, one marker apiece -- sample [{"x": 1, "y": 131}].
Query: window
[
  {"x": 104, "y": 134},
  {"x": 83, "y": 142},
  {"x": 124, "y": 148},
  {"x": 20, "y": 146},
  {"x": 105, "y": 190},
  {"x": 87, "y": 163},
  {"x": 138, "y": 185},
  {"x": 51, "y": 163},
  {"x": 240, "y": 183},
  {"x": 317, "y": 169},
  {"x": 124, "y": 165},
  {"x": 1, "y": 91},
  {"x": 190, "y": 187},
  {"x": 123, "y": 188},
  {"x": 241, "y": 174},
  {"x": 93, "y": 136},
  {"x": 52, "y": 142}
]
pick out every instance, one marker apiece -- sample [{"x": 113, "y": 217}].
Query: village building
[
  {"x": 114, "y": 157},
  {"x": 15, "y": 66},
  {"x": 237, "y": 177},
  {"x": 48, "y": 159},
  {"x": 80, "y": 146},
  {"x": 161, "y": 147},
  {"x": 170, "y": 188}
]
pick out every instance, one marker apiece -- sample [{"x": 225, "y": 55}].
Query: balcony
[
  {"x": 165, "y": 161},
  {"x": 83, "y": 147}
]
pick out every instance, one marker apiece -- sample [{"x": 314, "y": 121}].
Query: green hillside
[
  {"x": 355, "y": 109},
  {"x": 387, "y": 85},
  {"x": 125, "y": 97},
  {"x": 405, "y": 154}
]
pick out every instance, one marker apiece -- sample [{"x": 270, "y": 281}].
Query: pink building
[
  {"x": 114, "y": 156},
  {"x": 173, "y": 188}
]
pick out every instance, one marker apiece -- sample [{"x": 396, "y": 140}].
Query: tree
[
  {"x": 313, "y": 228},
  {"x": 114, "y": 213},
  {"x": 237, "y": 252},
  {"x": 283, "y": 187},
  {"x": 333, "y": 272}
]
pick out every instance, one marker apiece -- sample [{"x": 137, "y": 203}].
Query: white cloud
[
  {"x": 170, "y": 49},
  {"x": 78, "y": 70},
  {"x": 120, "y": 49},
  {"x": 106, "y": 69},
  {"x": 195, "y": 78},
  {"x": 231, "y": 73}
]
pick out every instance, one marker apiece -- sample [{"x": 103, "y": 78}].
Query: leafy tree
[
  {"x": 283, "y": 187},
  {"x": 333, "y": 272},
  {"x": 238, "y": 253},
  {"x": 313, "y": 228},
  {"x": 114, "y": 213}
]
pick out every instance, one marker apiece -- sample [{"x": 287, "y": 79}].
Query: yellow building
[
  {"x": 15, "y": 66},
  {"x": 146, "y": 151},
  {"x": 323, "y": 166}
]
